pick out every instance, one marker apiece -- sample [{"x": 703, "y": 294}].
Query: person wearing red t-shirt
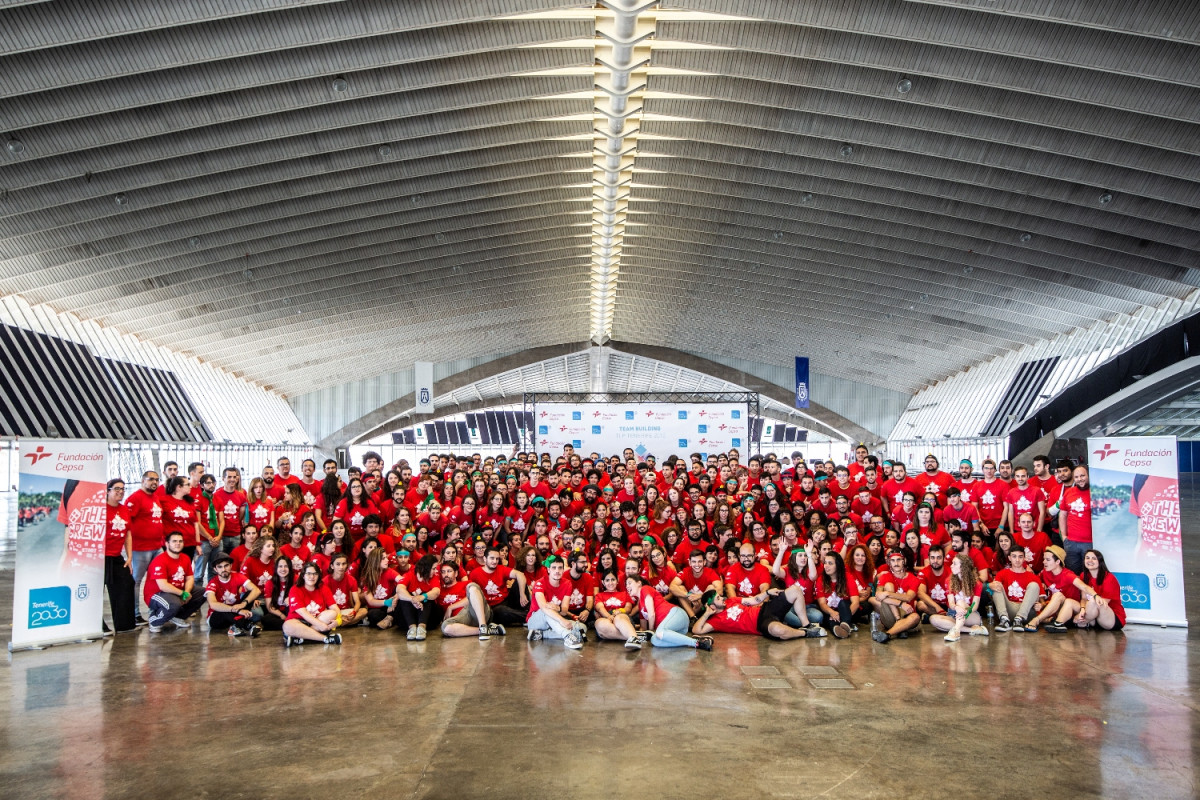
[
  {"x": 417, "y": 596},
  {"x": 231, "y": 597},
  {"x": 960, "y": 543},
  {"x": 145, "y": 523},
  {"x": 259, "y": 564},
  {"x": 296, "y": 550},
  {"x": 965, "y": 482},
  {"x": 550, "y": 600},
  {"x": 762, "y": 614},
  {"x": 1015, "y": 591},
  {"x": 464, "y": 608},
  {"x": 310, "y": 487},
  {"x": 168, "y": 588},
  {"x": 378, "y": 584},
  {"x": 312, "y": 614},
  {"x": 179, "y": 514},
  {"x": 613, "y": 605},
  {"x": 989, "y": 495},
  {"x": 961, "y": 509},
  {"x": 535, "y": 487},
  {"x": 1031, "y": 540},
  {"x": 903, "y": 513},
  {"x": 118, "y": 556},
  {"x": 283, "y": 472},
  {"x": 896, "y": 600},
  {"x": 746, "y": 577},
  {"x": 667, "y": 624},
  {"x": 581, "y": 601},
  {"x": 345, "y": 591},
  {"x": 1023, "y": 498},
  {"x": 232, "y": 505},
  {"x": 935, "y": 584},
  {"x": 434, "y": 521},
  {"x": 866, "y": 505},
  {"x": 934, "y": 481},
  {"x": 1074, "y": 519},
  {"x": 893, "y": 489},
  {"x": 1060, "y": 594},
  {"x": 503, "y": 587},
  {"x": 691, "y": 583},
  {"x": 966, "y": 591},
  {"x": 1101, "y": 594}
]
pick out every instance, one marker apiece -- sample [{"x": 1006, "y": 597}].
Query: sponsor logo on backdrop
[
  {"x": 1135, "y": 589},
  {"x": 736, "y": 442},
  {"x": 683, "y": 442},
  {"x": 49, "y": 606},
  {"x": 628, "y": 415},
  {"x": 37, "y": 455},
  {"x": 596, "y": 429},
  {"x": 683, "y": 415},
  {"x": 576, "y": 415},
  {"x": 543, "y": 430},
  {"x": 576, "y": 443},
  {"x": 701, "y": 429},
  {"x": 1106, "y": 451},
  {"x": 735, "y": 414}
]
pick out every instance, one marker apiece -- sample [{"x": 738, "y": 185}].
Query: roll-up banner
[
  {"x": 1134, "y": 484},
  {"x": 802, "y": 393},
  {"x": 58, "y": 591},
  {"x": 658, "y": 429},
  {"x": 423, "y": 386}
]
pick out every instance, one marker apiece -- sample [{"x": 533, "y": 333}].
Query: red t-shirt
[
  {"x": 969, "y": 490},
  {"x": 297, "y": 555},
  {"x": 341, "y": 590},
  {"x": 989, "y": 499},
  {"x": 1014, "y": 583},
  {"x": 452, "y": 595},
  {"x": 228, "y": 592},
  {"x": 260, "y": 513},
  {"x": 494, "y": 584},
  {"x": 260, "y": 574},
  {"x": 1078, "y": 505},
  {"x": 581, "y": 590},
  {"x": 698, "y": 584},
  {"x": 650, "y": 600},
  {"x": 354, "y": 518},
  {"x": 415, "y": 585},
  {"x": 229, "y": 505},
  {"x": 1024, "y": 500},
  {"x": 1034, "y": 547},
  {"x": 967, "y": 516},
  {"x": 746, "y": 582},
  {"x": 909, "y": 583},
  {"x": 1063, "y": 582},
  {"x": 315, "y": 601},
  {"x": 387, "y": 585},
  {"x": 310, "y": 493},
  {"x": 736, "y": 618},
  {"x": 116, "y": 525},
  {"x": 662, "y": 583},
  {"x": 937, "y": 483},
  {"x": 894, "y": 490},
  {"x": 179, "y": 516},
  {"x": 613, "y": 601},
  {"x": 175, "y": 571},
  {"x": 938, "y": 586},
  {"x": 146, "y": 519},
  {"x": 551, "y": 593}
]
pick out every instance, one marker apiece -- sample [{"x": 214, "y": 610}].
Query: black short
[{"x": 774, "y": 610}]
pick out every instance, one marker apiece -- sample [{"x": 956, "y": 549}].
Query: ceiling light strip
[{"x": 624, "y": 30}]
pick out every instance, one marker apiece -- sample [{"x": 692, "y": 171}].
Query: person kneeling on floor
[
  {"x": 231, "y": 597},
  {"x": 168, "y": 587}
]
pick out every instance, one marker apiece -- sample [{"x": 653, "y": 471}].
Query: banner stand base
[{"x": 86, "y": 638}]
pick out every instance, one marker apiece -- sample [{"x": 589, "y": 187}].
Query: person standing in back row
[{"x": 1075, "y": 519}]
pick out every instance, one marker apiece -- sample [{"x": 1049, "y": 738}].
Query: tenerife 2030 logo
[{"x": 49, "y": 606}]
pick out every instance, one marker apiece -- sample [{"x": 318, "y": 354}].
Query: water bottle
[
  {"x": 991, "y": 614},
  {"x": 874, "y": 621}
]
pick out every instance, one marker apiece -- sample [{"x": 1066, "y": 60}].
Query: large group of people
[{"x": 576, "y": 547}]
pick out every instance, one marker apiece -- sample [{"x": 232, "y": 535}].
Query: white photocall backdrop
[{"x": 658, "y": 429}]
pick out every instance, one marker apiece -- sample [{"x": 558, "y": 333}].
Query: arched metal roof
[{"x": 305, "y": 193}]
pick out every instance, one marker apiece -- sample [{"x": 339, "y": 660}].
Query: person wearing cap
[
  {"x": 896, "y": 600},
  {"x": 965, "y": 479},
  {"x": 231, "y": 597},
  {"x": 1060, "y": 596}
]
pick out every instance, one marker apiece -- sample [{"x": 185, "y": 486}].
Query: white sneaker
[
  {"x": 533, "y": 635},
  {"x": 181, "y": 623},
  {"x": 572, "y": 641},
  {"x": 154, "y": 628},
  {"x": 978, "y": 630},
  {"x": 632, "y": 643}
]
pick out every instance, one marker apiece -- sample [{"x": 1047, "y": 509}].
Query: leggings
[
  {"x": 414, "y": 616},
  {"x": 672, "y": 631}
]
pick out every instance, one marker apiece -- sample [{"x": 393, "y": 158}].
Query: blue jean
[
  {"x": 551, "y": 629},
  {"x": 672, "y": 631},
  {"x": 141, "y": 563},
  {"x": 812, "y": 612},
  {"x": 1075, "y": 551}
]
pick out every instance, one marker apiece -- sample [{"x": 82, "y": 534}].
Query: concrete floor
[{"x": 1011, "y": 716}]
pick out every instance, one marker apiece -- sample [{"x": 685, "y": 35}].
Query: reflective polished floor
[{"x": 178, "y": 714}]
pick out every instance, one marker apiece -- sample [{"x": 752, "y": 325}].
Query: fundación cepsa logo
[
  {"x": 1106, "y": 451},
  {"x": 49, "y": 606},
  {"x": 37, "y": 455}
]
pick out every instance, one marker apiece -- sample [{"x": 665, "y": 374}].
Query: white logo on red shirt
[
  {"x": 178, "y": 576},
  {"x": 339, "y": 598},
  {"x": 118, "y": 523},
  {"x": 492, "y": 589},
  {"x": 313, "y": 607},
  {"x": 228, "y": 598},
  {"x": 933, "y": 488},
  {"x": 180, "y": 512},
  {"x": 733, "y": 612},
  {"x": 745, "y": 587},
  {"x": 230, "y": 509},
  {"x": 938, "y": 592},
  {"x": 155, "y": 511},
  {"x": 1077, "y": 505},
  {"x": 1024, "y": 505},
  {"x": 1016, "y": 591},
  {"x": 988, "y": 498}
]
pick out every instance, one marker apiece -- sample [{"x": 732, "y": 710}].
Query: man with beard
[{"x": 746, "y": 577}]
